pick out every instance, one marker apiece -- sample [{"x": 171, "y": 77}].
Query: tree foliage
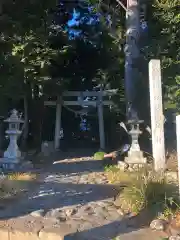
[
  {"x": 27, "y": 30},
  {"x": 95, "y": 52},
  {"x": 164, "y": 43},
  {"x": 42, "y": 53}
]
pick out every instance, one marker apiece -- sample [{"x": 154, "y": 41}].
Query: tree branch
[{"x": 122, "y": 5}]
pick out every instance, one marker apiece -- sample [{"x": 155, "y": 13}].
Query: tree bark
[
  {"x": 25, "y": 129},
  {"x": 37, "y": 113}
]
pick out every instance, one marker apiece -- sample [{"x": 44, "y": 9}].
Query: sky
[{"x": 74, "y": 21}]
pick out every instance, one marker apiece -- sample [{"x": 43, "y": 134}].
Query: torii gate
[{"x": 99, "y": 103}]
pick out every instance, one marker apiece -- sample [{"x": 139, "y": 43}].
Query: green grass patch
[
  {"x": 15, "y": 184},
  {"x": 99, "y": 155}
]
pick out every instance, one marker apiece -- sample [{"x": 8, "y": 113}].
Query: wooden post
[
  {"x": 58, "y": 123},
  {"x": 157, "y": 117},
  {"x": 178, "y": 146},
  {"x": 101, "y": 122}
]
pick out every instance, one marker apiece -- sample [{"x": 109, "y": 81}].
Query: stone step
[
  {"x": 63, "y": 232},
  {"x": 28, "y": 228}
]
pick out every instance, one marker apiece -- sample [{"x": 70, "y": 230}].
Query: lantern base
[
  {"x": 9, "y": 163},
  {"x": 135, "y": 157}
]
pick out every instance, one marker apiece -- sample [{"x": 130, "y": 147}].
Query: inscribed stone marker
[{"x": 157, "y": 117}]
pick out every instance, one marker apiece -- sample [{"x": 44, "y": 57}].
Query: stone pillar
[
  {"x": 157, "y": 117},
  {"x": 58, "y": 123}
]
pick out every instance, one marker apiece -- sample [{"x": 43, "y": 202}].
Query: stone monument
[
  {"x": 157, "y": 117},
  {"x": 12, "y": 155}
]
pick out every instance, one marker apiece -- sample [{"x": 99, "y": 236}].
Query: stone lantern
[
  {"x": 12, "y": 155},
  {"x": 135, "y": 155}
]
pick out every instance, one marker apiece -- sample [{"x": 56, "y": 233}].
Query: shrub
[{"x": 99, "y": 155}]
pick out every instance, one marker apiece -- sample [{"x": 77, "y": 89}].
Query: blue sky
[{"x": 74, "y": 21}]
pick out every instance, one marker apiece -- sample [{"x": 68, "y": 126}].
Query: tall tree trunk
[
  {"x": 37, "y": 119},
  {"x": 25, "y": 129}
]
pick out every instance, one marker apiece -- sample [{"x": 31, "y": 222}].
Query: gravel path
[{"x": 76, "y": 194}]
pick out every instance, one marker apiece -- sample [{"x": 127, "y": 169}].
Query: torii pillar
[{"x": 58, "y": 123}]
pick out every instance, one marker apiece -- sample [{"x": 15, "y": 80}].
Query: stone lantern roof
[{"x": 14, "y": 117}]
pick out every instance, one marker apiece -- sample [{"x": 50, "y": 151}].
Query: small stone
[
  {"x": 38, "y": 213},
  {"x": 158, "y": 224},
  {"x": 54, "y": 221},
  {"x": 120, "y": 211},
  {"x": 56, "y": 214},
  {"x": 122, "y": 166},
  {"x": 88, "y": 209},
  {"x": 130, "y": 169},
  {"x": 113, "y": 215},
  {"x": 101, "y": 212},
  {"x": 83, "y": 179},
  {"x": 117, "y": 203},
  {"x": 177, "y": 237},
  {"x": 84, "y": 210},
  {"x": 62, "y": 219},
  {"x": 85, "y": 226},
  {"x": 136, "y": 167},
  {"x": 70, "y": 212},
  {"x": 104, "y": 203},
  {"x": 174, "y": 230},
  {"x": 171, "y": 176}
]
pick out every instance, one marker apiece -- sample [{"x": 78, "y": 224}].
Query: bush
[{"x": 99, "y": 155}]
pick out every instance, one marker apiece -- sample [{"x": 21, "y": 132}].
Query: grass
[
  {"x": 15, "y": 184},
  {"x": 113, "y": 174},
  {"x": 144, "y": 189},
  {"x": 21, "y": 176},
  {"x": 99, "y": 155},
  {"x": 116, "y": 176}
]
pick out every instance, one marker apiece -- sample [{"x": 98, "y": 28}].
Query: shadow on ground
[
  {"x": 58, "y": 195},
  {"x": 122, "y": 227},
  {"x": 61, "y": 155},
  {"x": 55, "y": 163},
  {"x": 63, "y": 189},
  {"x": 54, "y": 195},
  {"x": 87, "y": 166}
]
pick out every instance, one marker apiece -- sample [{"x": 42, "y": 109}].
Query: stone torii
[{"x": 99, "y": 103}]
